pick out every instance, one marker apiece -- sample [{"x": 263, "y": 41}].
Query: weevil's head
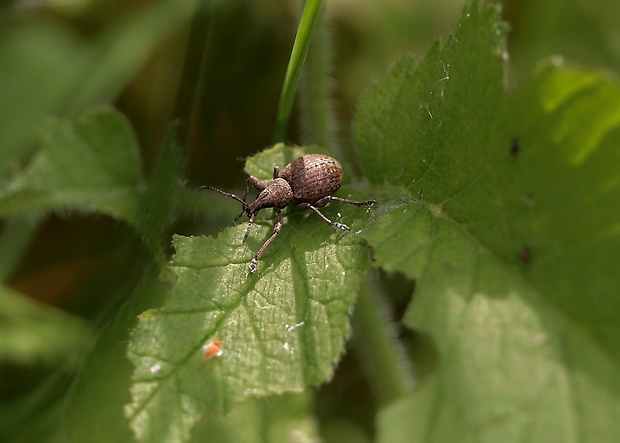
[{"x": 278, "y": 194}]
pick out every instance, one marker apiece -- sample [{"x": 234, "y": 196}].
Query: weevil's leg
[
  {"x": 276, "y": 172},
  {"x": 277, "y": 225},
  {"x": 257, "y": 184},
  {"x": 322, "y": 202},
  {"x": 336, "y": 225},
  {"x": 247, "y": 231}
]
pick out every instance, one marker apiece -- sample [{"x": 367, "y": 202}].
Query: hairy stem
[
  {"x": 382, "y": 355},
  {"x": 317, "y": 115}
]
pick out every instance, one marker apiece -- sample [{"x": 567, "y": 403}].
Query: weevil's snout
[
  {"x": 277, "y": 194},
  {"x": 251, "y": 211}
]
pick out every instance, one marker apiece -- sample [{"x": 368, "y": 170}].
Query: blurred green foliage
[{"x": 76, "y": 281}]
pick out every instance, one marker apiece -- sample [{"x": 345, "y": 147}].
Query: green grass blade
[{"x": 308, "y": 21}]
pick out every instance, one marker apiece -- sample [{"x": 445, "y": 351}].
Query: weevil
[{"x": 307, "y": 182}]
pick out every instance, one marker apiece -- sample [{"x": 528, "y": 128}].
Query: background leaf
[
  {"x": 261, "y": 165},
  {"x": 282, "y": 329},
  {"x": 36, "y": 333},
  {"x": 506, "y": 205},
  {"x": 69, "y": 71},
  {"x": 549, "y": 28},
  {"x": 498, "y": 205},
  {"x": 105, "y": 376},
  {"x": 93, "y": 163},
  {"x": 90, "y": 162}
]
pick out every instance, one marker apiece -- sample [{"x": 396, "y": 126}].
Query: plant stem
[
  {"x": 309, "y": 17},
  {"x": 317, "y": 116},
  {"x": 382, "y": 356}
]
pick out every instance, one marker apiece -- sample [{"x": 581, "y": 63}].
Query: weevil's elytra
[
  {"x": 312, "y": 177},
  {"x": 307, "y": 182}
]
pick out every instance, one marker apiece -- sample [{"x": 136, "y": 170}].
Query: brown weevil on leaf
[{"x": 307, "y": 182}]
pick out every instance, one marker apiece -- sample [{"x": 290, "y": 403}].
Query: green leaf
[
  {"x": 161, "y": 200},
  {"x": 569, "y": 28},
  {"x": 282, "y": 329},
  {"x": 507, "y": 207},
  {"x": 71, "y": 72},
  {"x": 409, "y": 126},
  {"x": 91, "y": 163},
  {"x": 34, "y": 333},
  {"x": 309, "y": 18},
  {"x": 46, "y": 55},
  {"x": 261, "y": 165},
  {"x": 259, "y": 420},
  {"x": 101, "y": 389}
]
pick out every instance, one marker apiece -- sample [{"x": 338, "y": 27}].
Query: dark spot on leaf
[
  {"x": 525, "y": 255},
  {"x": 514, "y": 147},
  {"x": 528, "y": 198}
]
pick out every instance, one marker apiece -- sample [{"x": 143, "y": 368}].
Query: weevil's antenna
[{"x": 231, "y": 195}]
